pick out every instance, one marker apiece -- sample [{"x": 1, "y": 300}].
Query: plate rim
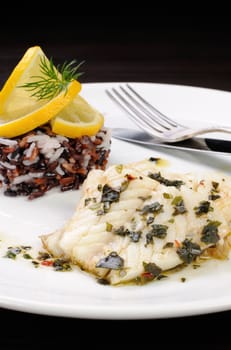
[{"x": 142, "y": 312}]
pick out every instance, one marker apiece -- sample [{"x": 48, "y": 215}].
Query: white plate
[{"x": 77, "y": 294}]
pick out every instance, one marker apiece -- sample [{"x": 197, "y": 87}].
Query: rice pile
[{"x": 34, "y": 163}]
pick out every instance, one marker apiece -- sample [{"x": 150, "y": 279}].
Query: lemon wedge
[
  {"x": 79, "y": 118},
  {"x": 19, "y": 111}
]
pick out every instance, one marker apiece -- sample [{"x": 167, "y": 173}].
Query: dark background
[{"x": 189, "y": 50}]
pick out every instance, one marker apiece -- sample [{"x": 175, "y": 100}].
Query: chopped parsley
[
  {"x": 134, "y": 235},
  {"x": 203, "y": 208},
  {"x": 89, "y": 200},
  {"x": 179, "y": 206},
  {"x": 167, "y": 195},
  {"x": 109, "y": 194},
  {"x": 155, "y": 207},
  {"x": 61, "y": 265},
  {"x": 166, "y": 182},
  {"x": 189, "y": 251},
  {"x": 151, "y": 272},
  {"x": 209, "y": 233},
  {"x": 121, "y": 231},
  {"x": 150, "y": 220},
  {"x": 12, "y": 252},
  {"x": 158, "y": 230},
  {"x": 108, "y": 227},
  {"x": 152, "y": 268},
  {"x": 113, "y": 262},
  {"x": 119, "y": 168},
  {"x": 44, "y": 256},
  {"x": 215, "y": 185},
  {"x": 99, "y": 187},
  {"x": 27, "y": 256},
  {"x": 213, "y": 197},
  {"x": 214, "y": 191}
]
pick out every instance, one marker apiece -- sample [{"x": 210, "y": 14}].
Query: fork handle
[
  {"x": 223, "y": 129},
  {"x": 183, "y": 133}
]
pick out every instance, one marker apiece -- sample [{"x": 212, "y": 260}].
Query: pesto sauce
[{"x": 43, "y": 258}]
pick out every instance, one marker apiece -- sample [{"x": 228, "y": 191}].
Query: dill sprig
[{"x": 52, "y": 80}]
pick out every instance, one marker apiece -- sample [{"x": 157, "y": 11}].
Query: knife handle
[{"x": 218, "y": 145}]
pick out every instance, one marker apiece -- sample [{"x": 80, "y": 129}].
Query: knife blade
[{"x": 198, "y": 144}]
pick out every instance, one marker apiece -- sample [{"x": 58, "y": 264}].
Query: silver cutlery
[
  {"x": 151, "y": 120},
  {"x": 197, "y": 144}
]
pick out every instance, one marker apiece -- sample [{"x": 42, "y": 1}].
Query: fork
[{"x": 151, "y": 120}]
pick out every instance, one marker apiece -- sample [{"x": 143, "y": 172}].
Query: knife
[{"x": 197, "y": 144}]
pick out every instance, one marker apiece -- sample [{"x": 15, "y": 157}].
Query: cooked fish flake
[{"x": 135, "y": 221}]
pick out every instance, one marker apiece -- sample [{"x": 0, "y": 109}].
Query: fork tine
[
  {"x": 149, "y": 116},
  {"x": 137, "y": 115},
  {"x": 138, "y": 108},
  {"x": 153, "y": 109}
]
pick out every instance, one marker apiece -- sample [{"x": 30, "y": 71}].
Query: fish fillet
[{"x": 135, "y": 221}]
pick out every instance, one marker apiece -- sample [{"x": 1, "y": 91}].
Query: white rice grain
[
  {"x": 8, "y": 142},
  {"x": 7, "y": 165}
]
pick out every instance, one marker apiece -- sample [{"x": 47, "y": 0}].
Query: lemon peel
[
  {"x": 79, "y": 118},
  {"x": 19, "y": 111}
]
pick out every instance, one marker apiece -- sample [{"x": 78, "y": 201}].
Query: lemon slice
[
  {"x": 79, "y": 118},
  {"x": 19, "y": 111}
]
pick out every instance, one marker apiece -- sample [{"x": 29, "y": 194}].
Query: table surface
[{"x": 179, "y": 53}]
